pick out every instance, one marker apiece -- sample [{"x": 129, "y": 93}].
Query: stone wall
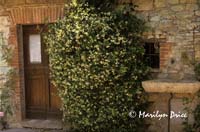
[
  {"x": 4, "y": 34},
  {"x": 170, "y": 104},
  {"x": 175, "y": 22}
]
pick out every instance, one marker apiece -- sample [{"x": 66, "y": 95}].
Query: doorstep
[{"x": 42, "y": 124}]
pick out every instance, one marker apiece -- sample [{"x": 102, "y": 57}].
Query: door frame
[
  {"x": 17, "y": 17},
  {"x": 19, "y": 28},
  {"x": 39, "y": 108}
]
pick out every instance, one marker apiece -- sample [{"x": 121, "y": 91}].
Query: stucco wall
[{"x": 4, "y": 34}]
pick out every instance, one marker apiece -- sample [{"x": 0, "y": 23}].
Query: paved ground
[{"x": 29, "y": 130}]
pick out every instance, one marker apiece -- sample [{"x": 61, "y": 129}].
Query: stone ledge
[{"x": 170, "y": 86}]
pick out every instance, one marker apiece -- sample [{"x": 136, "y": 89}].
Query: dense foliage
[
  {"x": 99, "y": 4},
  {"x": 96, "y": 62}
]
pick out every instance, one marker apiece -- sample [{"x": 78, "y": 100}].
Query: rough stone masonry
[{"x": 176, "y": 22}]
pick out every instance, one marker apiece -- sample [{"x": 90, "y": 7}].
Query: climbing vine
[
  {"x": 103, "y": 5},
  {"x": 96, "y": 62},
  {"x": 7, "y": 88},
  {"x": 194, "y": 126}
]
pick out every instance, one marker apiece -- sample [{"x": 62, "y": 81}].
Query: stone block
[
  {"x": 178, "y": 106},
  {"x": 171, "y": 38},
  {"x": 197, "y": 12},
  {"x": 173, "y": 1},
  {"x": 173, "y": 106},
  {"x": 188, "y": 1},
  {"x": 183, "y": 1},
  {"x": 155, "y": 18},
  {"x": 143, "y": 16},
  {"x": 191, "y": 7},
  {"x": 197, "y": 19},
  {"x": 3, "y": 20},
  {"x": 165, "y": 12},
  {"x": 191, "y": 1},
  {"x": 176, "y": 123},
  {"x": 178, "y": 8},
  {"x": 144, "y": 5},
  {"x": 159, "y": 103},
  {"x": 159, "y": 3}
]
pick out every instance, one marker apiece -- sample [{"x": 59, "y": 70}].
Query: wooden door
[{"x": 41, "y": 96}]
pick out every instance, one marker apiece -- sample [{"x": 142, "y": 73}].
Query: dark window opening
[{"x": 152, "y": 54}]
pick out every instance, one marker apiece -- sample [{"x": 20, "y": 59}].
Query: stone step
[{"x": 42, "y": 124}]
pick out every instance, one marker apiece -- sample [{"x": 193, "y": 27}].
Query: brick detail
[
  {"x": 16, "y": 64},
  {"x": 36, "y": 15},
  {"x": 27, "y": 15},
  {"x": 165, "y": 51}
]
